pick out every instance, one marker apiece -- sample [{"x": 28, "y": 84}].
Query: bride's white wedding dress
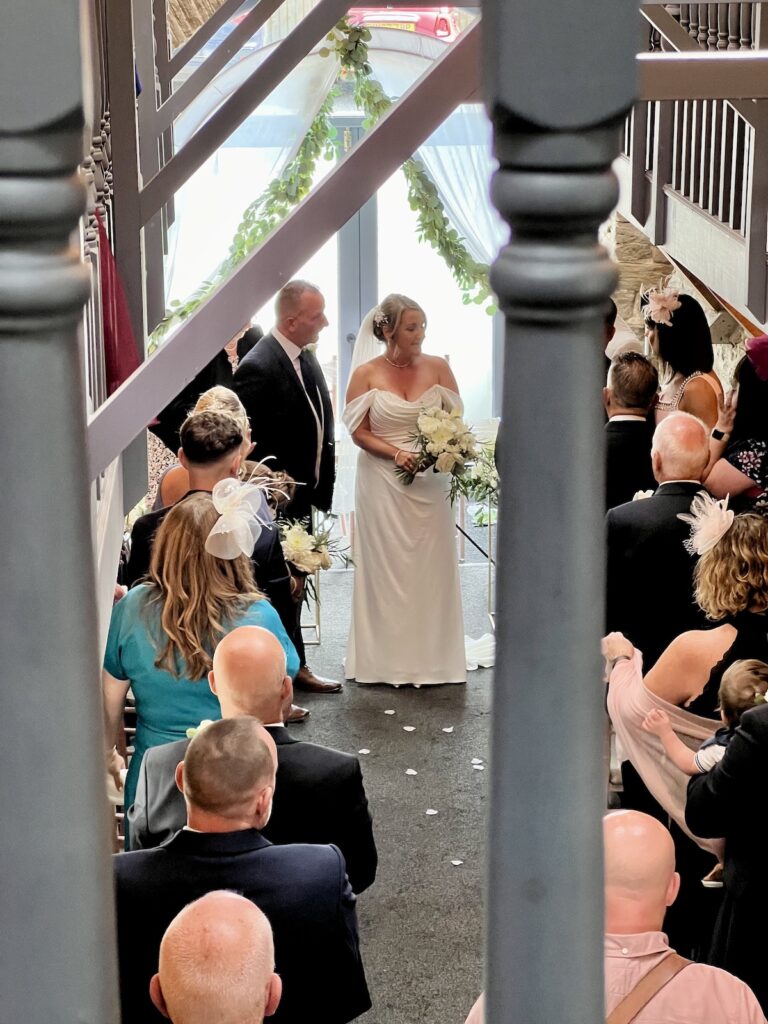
[{"x": 407, "y": 623}]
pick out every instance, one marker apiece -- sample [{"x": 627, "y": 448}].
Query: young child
[{"x": 744, "y": 685}]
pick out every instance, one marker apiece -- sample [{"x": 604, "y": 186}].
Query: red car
[{"x": 439, "y": 22}]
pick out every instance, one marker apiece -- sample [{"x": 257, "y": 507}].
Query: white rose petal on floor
[
  {"x": 411, "y": 771},
  {"x": 448, "y": 728},
  {"x": 409, "y": 728},
  {"x": 431, "y": 810},
  {"x": 364, "y": 750}
]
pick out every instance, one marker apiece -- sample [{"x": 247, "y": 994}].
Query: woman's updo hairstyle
[
  {"x": 685, "y": 344},
  {"x": 390, "y": 313},
  {"x": 224, "y": 400}
]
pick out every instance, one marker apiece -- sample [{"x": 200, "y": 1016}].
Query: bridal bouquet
[
  {"x": 481, "y": 481},
  {"x": 445, "y": 444},
  {"x": 311, "y": 551}
]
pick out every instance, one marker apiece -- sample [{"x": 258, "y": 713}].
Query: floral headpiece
[
  {"x": 241, "y": 509},
  {"x": 757, "y": 353},
  {"x": 661, "y": 302},
  {"x": 380, "y": 318},
  {"x": 710, "y": 520}
]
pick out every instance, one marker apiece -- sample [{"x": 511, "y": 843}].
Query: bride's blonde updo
[{"x": 390, "y": 313}]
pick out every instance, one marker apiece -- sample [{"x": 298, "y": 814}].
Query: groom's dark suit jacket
[
  {"x": 319, "y": 798},
  {"x": 282, "y": 424},
  {"x": 650, "y": 574},
  {"x": 303, "y": 890}
]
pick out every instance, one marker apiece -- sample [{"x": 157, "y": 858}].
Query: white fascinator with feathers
[
  {"x": 709, "y": 519},
  {"x": 242, "y": 512}
]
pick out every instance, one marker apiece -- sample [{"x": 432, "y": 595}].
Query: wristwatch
[{"x": 719, "y": 435}]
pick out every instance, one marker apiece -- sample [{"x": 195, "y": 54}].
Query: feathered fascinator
[
  {"x": 242, "y": 512},
  {"x": 660, "y": 302},
  {"x": 757, "y": 353},
  {"x": 709, "y": 519}
]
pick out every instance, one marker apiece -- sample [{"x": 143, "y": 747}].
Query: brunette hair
[
  {"x": 392, "y": 309},
  {"x": 198, "y": 595},
  {"x": 685, "y": 344},
  {"x": 751, "y": 422},
  {"x": 209, "y": 437},
  {"x": 732, "y": 576},
  {"x": 633, "y": 381},
  {"x": 742, "y": 683}
]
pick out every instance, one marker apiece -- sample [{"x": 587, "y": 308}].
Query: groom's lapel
[{"x": 287, "y": 372}]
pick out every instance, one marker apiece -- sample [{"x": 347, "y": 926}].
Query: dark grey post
[
  {"x": 558, "y": 81},
  {"x": 57, "y": 960}
]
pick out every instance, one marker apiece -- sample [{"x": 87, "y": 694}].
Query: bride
[{"x": 407, "y": 624}]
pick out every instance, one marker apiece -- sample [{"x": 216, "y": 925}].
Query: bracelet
[
  {"x": 613, "y": 662},
  {"x": 394, "y": 457}
]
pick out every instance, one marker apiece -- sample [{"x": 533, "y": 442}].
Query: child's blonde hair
[{"x": 743, "y": 683}]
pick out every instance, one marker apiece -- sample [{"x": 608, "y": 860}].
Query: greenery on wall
[{"x": 349, "y": 45}]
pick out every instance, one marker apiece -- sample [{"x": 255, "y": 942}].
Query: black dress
[{"x": 751, "y": 642}]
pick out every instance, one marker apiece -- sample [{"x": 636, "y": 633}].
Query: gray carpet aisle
[{"x": 421, "y": 921}]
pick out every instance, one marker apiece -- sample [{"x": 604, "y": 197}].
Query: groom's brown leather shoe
[
  {"x": 297, "y": 714},
  {"x": 307, "y": 680}
]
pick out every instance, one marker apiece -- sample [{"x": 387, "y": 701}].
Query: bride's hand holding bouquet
[{"x": 444, "y": 444}]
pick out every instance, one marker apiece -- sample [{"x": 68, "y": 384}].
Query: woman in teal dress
[{"x": 162, "y": 634}]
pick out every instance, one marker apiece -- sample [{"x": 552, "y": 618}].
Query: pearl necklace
[{"x": 399, "y": 366}]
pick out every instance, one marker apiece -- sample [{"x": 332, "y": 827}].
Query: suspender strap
[{"x": 649, "y": 986}]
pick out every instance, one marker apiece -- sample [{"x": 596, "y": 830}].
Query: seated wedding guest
[
  {"x": 631, "y": 391},
  {"x": 320, "y": 795},
  {"x": 731, "y": 587},
  {"x": 726, "y": 802},
  {"x": 163, "y": 633},
  {"x": 645, "y": 980},
  {"x": 677, "y": 331},
  {"x": 649, "y": 592},
  {"x": 739, "y": 446},
  {"x": 217, "y": 963},
  {"x": 228, "y": 778}
]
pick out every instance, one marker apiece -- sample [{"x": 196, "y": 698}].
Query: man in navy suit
[
  {"x": 320, "y": 797},
  {"x": 283, "y": 389},
  {"x": 228, "y": 779}
]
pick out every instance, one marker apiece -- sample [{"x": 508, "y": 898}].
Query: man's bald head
[
  {"x": 249, "y": 674},
  {"x": 217, "y": 962},
  {"x": 228, "y": 773},
  {"x": 640, "y": 877},
  {"x": 680, "y": 449}
]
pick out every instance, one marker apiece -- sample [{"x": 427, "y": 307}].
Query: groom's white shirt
[{"x": 293, "y": 352}]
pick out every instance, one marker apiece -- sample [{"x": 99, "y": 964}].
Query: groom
[{"x": 282, "y": 387}]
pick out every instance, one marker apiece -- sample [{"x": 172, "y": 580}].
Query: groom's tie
[{"x": 309, "y": 379}]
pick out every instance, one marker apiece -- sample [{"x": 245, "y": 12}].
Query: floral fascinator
[
  {"x": 242, "y": 512},
  {"x": 710, "y": 520},
  {"x": 660, "y": 302}
]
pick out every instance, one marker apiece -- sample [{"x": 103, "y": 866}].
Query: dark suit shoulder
[
  {"x": 261, "y": 356},
  {"x": 321, "y": 759}
]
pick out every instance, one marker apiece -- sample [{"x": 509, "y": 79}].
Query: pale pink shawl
[{"x": 629, "y": 701}]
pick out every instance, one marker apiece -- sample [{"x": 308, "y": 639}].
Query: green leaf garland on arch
[{"x": 349, "y": 43}]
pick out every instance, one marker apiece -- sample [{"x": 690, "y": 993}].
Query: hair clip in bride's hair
[
  {"x": 660, "y": 302},
  {"x": 238, "y": 527},
  {"x": 709, "y": 519},
  {"x": 380, "y": 318}
]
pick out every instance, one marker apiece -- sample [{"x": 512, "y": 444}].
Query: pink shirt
[{"x": 698, "y": 995}]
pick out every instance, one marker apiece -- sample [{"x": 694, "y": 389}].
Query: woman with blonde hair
[
  {"x": 163, "y": 633},
  {"x": 407, "y": 623}
]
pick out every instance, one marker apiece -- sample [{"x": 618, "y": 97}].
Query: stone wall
[{"x": 641, "y": 265}]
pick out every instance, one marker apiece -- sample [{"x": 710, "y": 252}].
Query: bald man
[
  {"x": 228, "y": 779},
  {"x": 320, "y": 793},
  {"x": 640, "y": 883},
  {"x": 645, "y": 544},
  {"x": 217, "y": 963}
]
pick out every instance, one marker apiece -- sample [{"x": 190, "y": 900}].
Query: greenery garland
[{"x": 350, "y": 45}]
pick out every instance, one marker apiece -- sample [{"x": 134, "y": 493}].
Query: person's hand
[
  {"x": 726, "y": 413},
  {"x": 120, "y": 592},
  {"x": 115, "y": 765},
  {"x": 657, "y": 722},
  {"x": 408, "y": 461},
  {"x": 615, "y": 646}
]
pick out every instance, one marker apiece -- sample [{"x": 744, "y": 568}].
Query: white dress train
[{"x": 407, "y": 623}]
